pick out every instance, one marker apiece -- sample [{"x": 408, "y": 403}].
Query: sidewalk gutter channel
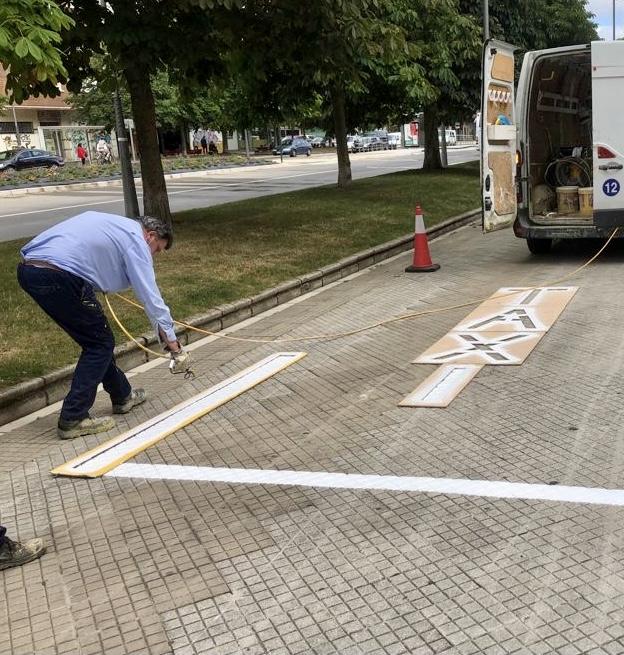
[{"x": 32, "y": 395}]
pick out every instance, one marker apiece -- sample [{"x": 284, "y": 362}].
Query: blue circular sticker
[{"x": 611, "y": 187}]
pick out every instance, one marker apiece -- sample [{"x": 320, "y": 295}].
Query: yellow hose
[{"x": 337, "y": 335}]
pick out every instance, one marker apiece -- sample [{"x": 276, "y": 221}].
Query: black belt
[{"x": 38, "y": 263}]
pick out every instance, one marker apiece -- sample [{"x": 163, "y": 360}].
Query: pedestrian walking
[
  {"x": 63, "y": 267},
  {"x": 204, "y": 145},
  {"x": 13, "y": 553},
  {"x": 81, "y": 153}
]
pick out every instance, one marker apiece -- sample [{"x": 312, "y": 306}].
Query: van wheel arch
[{"x": 539, "y": 246}]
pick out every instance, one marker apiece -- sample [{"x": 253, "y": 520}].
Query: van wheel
[
  {"x": 293, "y": 153},
  {"x": 308, "y": 153},
  {"x": 539, "y": 246}
]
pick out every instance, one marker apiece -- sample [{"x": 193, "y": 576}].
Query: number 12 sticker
[{"x": 611, "y": 187}]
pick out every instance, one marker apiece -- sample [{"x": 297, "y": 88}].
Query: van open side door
[
  {"x": 608, "y": 132},
  {"x": 498, "y": 136}
]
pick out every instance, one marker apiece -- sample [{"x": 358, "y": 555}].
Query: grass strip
[{"x": 235, "y": 250}]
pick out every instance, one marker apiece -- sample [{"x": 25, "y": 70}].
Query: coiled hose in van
[{"x": 568, "y": 171}]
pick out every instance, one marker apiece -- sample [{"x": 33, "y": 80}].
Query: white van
[{"x": 562, "y": 132}]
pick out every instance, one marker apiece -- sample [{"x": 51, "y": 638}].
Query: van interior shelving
[{"x": 559, "y": 152}]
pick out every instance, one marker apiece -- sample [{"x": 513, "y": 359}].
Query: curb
[
  {"x": 32, "y": 395},
  {"x": 116, "y": 181}
]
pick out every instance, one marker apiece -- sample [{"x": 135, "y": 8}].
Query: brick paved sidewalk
[{"x": 192, "y": 567}]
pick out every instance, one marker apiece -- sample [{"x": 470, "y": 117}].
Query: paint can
[
  {"x": 567, "y": 199},
  {"x": 586, "y": 200}
]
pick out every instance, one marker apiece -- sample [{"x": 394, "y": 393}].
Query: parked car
[
  {"x": 294, "y": 146},
  {"x": 371, "y": 141},
  {"x": 317, "y": 141},
  {"x": 18, "y": 160}
]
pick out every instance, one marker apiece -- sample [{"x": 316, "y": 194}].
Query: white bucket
[
  {"x": 586, "y": 200},
  {"x": 567, "y": 199}
]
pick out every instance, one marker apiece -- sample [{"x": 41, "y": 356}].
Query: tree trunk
[
  {"x": 432, "y": 145},
  {"x": 340, "y": 125},
  {"x": 155, "y": 199},
  {"x": 224, "y": 141},
  {"x": 183, "y": 139}
]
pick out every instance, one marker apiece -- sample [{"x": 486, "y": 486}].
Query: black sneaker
[
  {"x": 136, "y": 397},
  {"x": 13, "y": 553},
  {"x": 84, "y": 427}
]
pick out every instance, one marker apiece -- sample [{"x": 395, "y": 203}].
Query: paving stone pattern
[{"x": 179, "y": 568}]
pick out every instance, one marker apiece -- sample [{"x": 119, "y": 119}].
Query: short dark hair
[{"x": 162, "y": 229}]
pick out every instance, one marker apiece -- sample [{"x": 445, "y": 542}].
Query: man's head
[{"x": 158, "y": 234}]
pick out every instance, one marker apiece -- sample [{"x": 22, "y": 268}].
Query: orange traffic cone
[{"x": 422, "y": 259}]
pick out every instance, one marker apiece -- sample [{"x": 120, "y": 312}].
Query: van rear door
[
  {"x": 608, "y": 132},
  {"x": 498, "y": 136}
]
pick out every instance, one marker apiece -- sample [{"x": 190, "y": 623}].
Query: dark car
[
  {"x": 28, "y": 158},
  {"x": 298, "y": 145}
]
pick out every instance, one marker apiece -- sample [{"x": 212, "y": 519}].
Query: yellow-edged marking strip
[
  {"x": 322, "y": 479},
  {"x": 109, "y": 455},
  {"x": 442, "y": 386}
]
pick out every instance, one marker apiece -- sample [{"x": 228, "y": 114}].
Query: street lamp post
[
  {"x": 131, "y": 204},
  {"x": 486, "y": 20},
  {"x": 18, "y": 136}
]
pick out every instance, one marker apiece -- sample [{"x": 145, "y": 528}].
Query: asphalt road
[{"x": 28, "y": 215}]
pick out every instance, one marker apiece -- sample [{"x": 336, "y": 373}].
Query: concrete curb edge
[{"x": 34, "y": 394}]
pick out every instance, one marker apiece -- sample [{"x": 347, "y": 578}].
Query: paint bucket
[
  {"x": 567, "y": 199},
  {"x": 586, "y": 200}
]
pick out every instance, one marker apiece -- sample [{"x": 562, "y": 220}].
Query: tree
[
  {"x": 354, "y": 41},
  {"x": 138, "y": 38},
  {"x": 30, "y": 35}
]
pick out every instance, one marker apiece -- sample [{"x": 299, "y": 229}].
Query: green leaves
[{"x": 29, "y": 34}]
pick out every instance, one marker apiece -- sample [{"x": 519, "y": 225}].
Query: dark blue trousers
[
  {"x": 71, "y": 302},
  {"x": 2, "y": 533}
]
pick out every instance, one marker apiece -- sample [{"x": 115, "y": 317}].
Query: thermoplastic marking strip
[
  {"x": 110, "y": 454},
  {"x": 481, "y": 488},
  {"x": 442, "y": 386}
]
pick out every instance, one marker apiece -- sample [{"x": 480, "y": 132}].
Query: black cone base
[{"x": 422, "y": 269}]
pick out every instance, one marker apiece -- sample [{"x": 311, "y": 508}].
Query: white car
[{"x": 394, "y": 140}]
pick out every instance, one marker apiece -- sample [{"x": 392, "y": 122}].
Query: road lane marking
[
  {"x": 320, "y": 479},
  {"x": 53, "y": 209},
  {"x": 110, "y": 454}
]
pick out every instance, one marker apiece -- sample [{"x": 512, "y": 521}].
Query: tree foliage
[
  {"x": 30, "y": 36},
  {"x": 139, "y": 38}
]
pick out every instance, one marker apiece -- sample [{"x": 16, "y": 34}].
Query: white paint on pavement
[
  {"x": 480, "y": 488},
  {"x": 106, "y": 456},
  {"x": 442, "y": 386}
]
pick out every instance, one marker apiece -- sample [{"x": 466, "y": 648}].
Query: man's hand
[{"x": 180, "y": 361}]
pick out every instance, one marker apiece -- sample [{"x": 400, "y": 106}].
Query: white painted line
[
  {"x": 481, "y": 488},
  {"x": 50, "y": 209},
  {"x": 442, "y": 386},
  {"x": 106, "y": 456}
]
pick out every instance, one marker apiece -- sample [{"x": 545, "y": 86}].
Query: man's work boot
[
  {"x": 136, "y": 397},
  {"x": 13, "y": 553},
  {"x": 84, "y": 427}
]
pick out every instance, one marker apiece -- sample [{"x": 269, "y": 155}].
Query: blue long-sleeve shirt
[{"x": 109, "y": 252}]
